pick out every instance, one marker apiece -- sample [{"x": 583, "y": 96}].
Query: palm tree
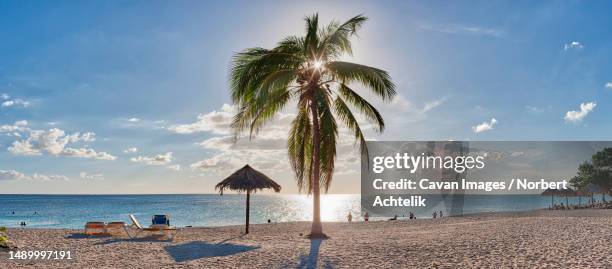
[{"x": 307, "y": 69}]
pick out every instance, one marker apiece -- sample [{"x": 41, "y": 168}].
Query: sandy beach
[{"x": 577, "y": 238}]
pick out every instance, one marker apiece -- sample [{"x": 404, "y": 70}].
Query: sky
[{"x": 132, "y": 96}]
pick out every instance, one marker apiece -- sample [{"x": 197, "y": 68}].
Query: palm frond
[
  {"x": 312, "y": 38},
  {"x": 363, "y": 105},
  {"x": 299, "y": 145},
  {"x": 346, "y": 115},
  {"x": 260, "y": 109},
  {"x": 336, "y": 38},
  {"x": 376, "y": 79},
  {"x": 328, "y": 136}
]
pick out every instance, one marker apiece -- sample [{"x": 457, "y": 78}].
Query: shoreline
[
  {"x": 372, "y": 219},
  {"x": 566, "y": 238}
]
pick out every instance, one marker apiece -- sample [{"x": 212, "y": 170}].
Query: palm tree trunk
[
  {"x": 248, "y": 202},
  {"x": 316, "y": 229}
]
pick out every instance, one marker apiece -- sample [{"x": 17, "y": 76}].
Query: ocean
[{"x": 73, "y": 211}]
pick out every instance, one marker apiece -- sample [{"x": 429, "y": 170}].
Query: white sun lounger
[{"x": 165, "y": 230}]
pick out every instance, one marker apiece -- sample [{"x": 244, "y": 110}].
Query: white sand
[{"x": 577, "y": 238}]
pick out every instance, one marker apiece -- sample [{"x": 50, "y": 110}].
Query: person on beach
[
  {"x": 435, "y": 214},
  {"x": 412, "y": 215},
  {"x": 394, "y": 217},
  {"x": 366, "y": 217},
  {"x": 349, "y": 217}
]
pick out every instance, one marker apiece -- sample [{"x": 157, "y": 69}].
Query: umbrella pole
[{"x": 248, "y": 201}]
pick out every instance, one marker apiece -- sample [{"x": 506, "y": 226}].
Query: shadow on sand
[
  {"x": 199, "y": 249},
  {"x": 84, "y": 236},
  {"x": 310, "y": 261},
  {"x": 150, "y": 239}
]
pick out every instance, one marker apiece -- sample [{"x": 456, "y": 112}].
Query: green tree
[
  {"x": 585, "y": 175},
  {"x": 602, "y": 161},
  {"x": 307, "y": 69}
]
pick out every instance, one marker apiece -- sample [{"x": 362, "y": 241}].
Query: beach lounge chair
[
  {"x": 95, "y": 228},
  {"x": 157, "y": 227},
  {"x": 115, "y": 228}
]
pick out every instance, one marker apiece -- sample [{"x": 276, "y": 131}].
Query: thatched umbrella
[
  {"x": 592, "y": 189},
  {"x": 550, "y": 192},
  {"x": 567, "y": 192},
  {"x": 249, "y": 180}
]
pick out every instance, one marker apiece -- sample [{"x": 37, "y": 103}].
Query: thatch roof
[
  {"x": 549, "y": 192},
  {"x": 567, "y": 192},
  {"x": 559, "y": 192},
  {"x": 247, "y": 179}
]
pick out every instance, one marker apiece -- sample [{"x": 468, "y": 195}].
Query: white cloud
[
  {"x": 15, "y": 103},
  {"x": 137, "y": 123},
  {"x": 48, "y": 177},
  {"x": 573, "y": 45},
  {"x": 11, "y": 175},
  {"x": 400, "y": 103},
  {"x": 88, "y": 137},
  {"x": 130, "y": 150},
  {"x": 4, "y": 96},
  {"x": 217, "y": 163},
  {"x": 18, "y": 126},
  {"x": 85, "y": 175},
  {"x": 577, "y": 116},
  {"x": 609, "y": 85},
  {"x": 87, "y": 153},
  {"x": 15, "y": 175},
  {"x": 159, "y": 159},
  {"x": 175, "y": 167},
  {"x": 485, "y": 126},
  {"x": 258, "y": 143},
  {"x": 55, "y": 142},
  {"x": 431, "y": 105},
  {"x": 217, "y": 122}
]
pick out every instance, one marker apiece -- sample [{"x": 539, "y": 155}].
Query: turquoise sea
[{"x": 72, "y": 211}]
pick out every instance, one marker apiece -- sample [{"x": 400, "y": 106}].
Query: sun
[{"x": 318, "y": 64}]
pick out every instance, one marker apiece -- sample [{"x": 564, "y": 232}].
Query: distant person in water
[
  {"x": 349, "y": 217},
  {"x": 35, "y": 213},
  {"x": 394, "y": 217},
  {"x": 269, "y": 220},
  {"x": 440, "y": 213},
  {"x": 411, "y": 215},
  {"x": 435, "y": 214},
  {"x": 13, "y": 212},
  {"x": 366, "y": 217}
]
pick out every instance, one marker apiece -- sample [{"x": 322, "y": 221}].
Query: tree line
[{"x": 595, "y": 176}]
